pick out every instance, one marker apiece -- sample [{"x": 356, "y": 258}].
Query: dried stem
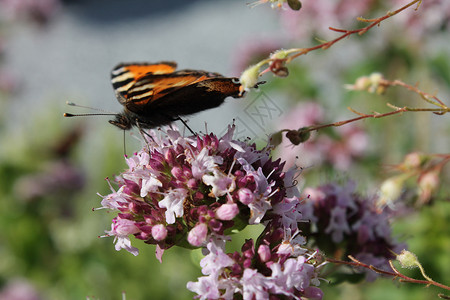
[
  {"x": 396, "y": 274},
  {"x": 432, "y": 99},
  {"x": 346, "y": 33}
]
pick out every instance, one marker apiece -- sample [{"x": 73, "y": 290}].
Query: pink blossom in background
[
  {"x": 348, "y": 223},
  {"x": 19, "y": 289},
  {"x": 315, "y": 16},
  {"x": 40, "y": 11},
  {"x": 432, "y": 15},
  {"x": 304, "y": 114},
  {"x": 251, "y": 51},
  {"x": 340, "y": 153},
  {"x": 8, "y": 82},
  {"x": 351, "y": 141}
]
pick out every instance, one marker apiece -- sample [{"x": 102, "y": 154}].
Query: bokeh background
[{"x": 51, "y": 168}]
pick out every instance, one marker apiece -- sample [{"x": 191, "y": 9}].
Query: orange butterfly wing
[
  {"x": 151, "y": 88},
  {"x": 124, "y": 76},
  {"x": 156, "y": 94}
]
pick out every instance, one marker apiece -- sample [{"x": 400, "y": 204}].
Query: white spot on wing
[
  {"x": 125, "y": 88},
  {"x": 118, "y": 71},
  {"x": 122, "y": 77},
  {"x": 144, "y": 95}
]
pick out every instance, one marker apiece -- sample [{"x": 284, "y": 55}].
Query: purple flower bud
[
  {"x": 197, "y": 235},
  {"x": 177, "y": 172},
  {"x": 206, "y": 140},
  {"x": 215, "y": 225},
  {"x": 133, "y": 207},
  {"x": 246, "y": 196},
  {"x": 131, "y": 187},
  {"x": 313, "y": 293},
  {"x": 123, "y": 227},
  {"x": 192, "y": 184},
  {"x": 264, "y": 253},
  {"x": 236, "y": 269},
  {"x": 159, "y": 232},
  {"x": 239, "y": 173},
  {"x": 211, "y": 213},
  {"x": 156, "y": 165},
  {"x": 202, "y": 210},
  {"x": 187, "y": 173},
  {"x": 227, "y": 212},
  {"x": 247, "y": 249},
  {"x": 143, "y": 236},
  {"x": 247, "y": 263},
  {"x": 170, "y": 156}
]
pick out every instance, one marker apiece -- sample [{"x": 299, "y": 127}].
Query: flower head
[
  {"x": 350, "y": 224},
  {"x": 258, "y": 274},
  {"x": 186, "y": 191}
]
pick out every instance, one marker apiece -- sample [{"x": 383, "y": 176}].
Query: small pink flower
[
  {"x": 159, "y": 232},
  {"x": 121, "y": 228},
  {"x": 124, "y": 227},
  {"x": 227, "y": 212},
  {"x": 173, "y": 202},
  {"x": 246, "y": 196},
  {"x": 264, "y": 253},
  {"x": 197, "y": 235},
  {"x": 220, "y": 183}
]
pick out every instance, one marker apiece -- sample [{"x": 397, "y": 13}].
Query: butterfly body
[{"x": 155, "y": 94}]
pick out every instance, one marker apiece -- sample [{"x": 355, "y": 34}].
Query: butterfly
[{"x": 155, "y": 94}]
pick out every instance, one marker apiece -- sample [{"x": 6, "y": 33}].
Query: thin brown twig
[
  {"x": 395, "y": 273},
  {"x": 432, "y": 99},
  {"x": 346, "y": 33},
  {"x": 398, "y": 110}
]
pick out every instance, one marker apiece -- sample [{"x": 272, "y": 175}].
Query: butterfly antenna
[
  {"x": 89, "y": 107},
  {"x": 68, "y": 115}
]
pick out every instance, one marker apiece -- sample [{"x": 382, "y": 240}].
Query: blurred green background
[{"x": 51, "y": 168}]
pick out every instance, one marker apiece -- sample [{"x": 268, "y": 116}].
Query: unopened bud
[
  {"x": 413, "y": 160},
  {"x": 428, "y": 184},
  {"x": 408, "y": 259},
  {"x": 264, "y": 253},
  {"x": 390, "y": 190},
  {"x": 278, "y": 64},
  {"x": 294, "y": 4},
  {"x": 276, "y": 138},
  {"x": 159, "y": 232},
  {"x": 249, "y": 78},
  {"x": 375, "y": 84},
  {"x": 372, "y": 83},
  {"x": 227, "y": 212},
  {"x": 297, "y": 137},
  {"x": 197, "y": 235}
]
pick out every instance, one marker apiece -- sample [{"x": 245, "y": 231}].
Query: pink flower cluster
[
  {"x": 194, "y": 191},
  {"x": 267, "y": 273},
  {"x": 181, "y": 189},
  {"x": 347, "y": 223},
  {"x": 432, "y": 16},
  {"x": 316, "y": 16}
]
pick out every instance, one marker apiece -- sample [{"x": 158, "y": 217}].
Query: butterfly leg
[
  {"x": 144, "y": 134},
  {"x": 185, "y": 124}
]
